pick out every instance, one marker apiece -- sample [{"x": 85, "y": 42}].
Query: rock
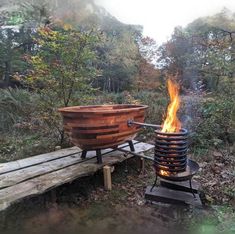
[
  {"x": 217, "y": 154},
  {"x": 203, "y": 164},
  {"x": 225, "y": 175},
  {"x": 140, "y": 202},
  {"x": 221, "y": 165},
  {"x": 58, "y": 147},
  {"x": 232, "y": 148},
  {"x": 225, "y": 200},
  {"x": 209, "y": 198},
  {"x": 211, "y": 184},
  {"x": 217, "y": 170}
]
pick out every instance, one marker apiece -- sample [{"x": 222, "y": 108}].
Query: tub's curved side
[{"x": 102, "y": 129}]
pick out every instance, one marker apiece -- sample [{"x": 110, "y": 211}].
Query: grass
[
  {"x": 220, "y": 220},
  {"x": 21, "y": 144}
]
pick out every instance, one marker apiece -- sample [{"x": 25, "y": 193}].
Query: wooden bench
[{"x": 38, "y": 174}]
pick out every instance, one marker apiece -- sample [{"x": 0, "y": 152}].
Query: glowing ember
[
  {"x": 164, "y": 173},
  {"x": 171, "y": 123}
]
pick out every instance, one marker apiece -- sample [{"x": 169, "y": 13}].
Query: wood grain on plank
[
  {"x": 18, "y": 164},
  {"x": 44, "y": 182},
  {"x": 17, "y": 176}
]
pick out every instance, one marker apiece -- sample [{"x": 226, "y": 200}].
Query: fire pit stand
[
  {"x": 170, "y": 157},
  {"x": 191, "y": 169},
  {"x": 172, "y": 166}
]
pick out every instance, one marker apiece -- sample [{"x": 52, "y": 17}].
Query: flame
[
  {"x": 171, "y": 123},
  {"x": 164, "y": 173}
]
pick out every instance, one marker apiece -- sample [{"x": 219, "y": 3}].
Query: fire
[
  {"x": 164, "y": 173},
  {"x": 171, "y": 123}
]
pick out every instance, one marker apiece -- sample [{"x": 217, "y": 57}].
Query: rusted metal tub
[{"x": 101, "y": 126}]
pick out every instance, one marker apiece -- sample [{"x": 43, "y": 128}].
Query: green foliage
[
  {"x": 217, "y": 123},
  {"x": 63, "y": 63},
  {"x": 21, "y": 144},
  {"x": 28, "y": 125},
  {"x": 15, "y": 106},
  {"x": 10, "y": 59},
  {"x": 119, "y": 59},
  {"x": 118, "y": 50},
  {"x": 157, "y": 105},
  {"x": 19, "y": 22},
  {"x": 221, "y": 220}
]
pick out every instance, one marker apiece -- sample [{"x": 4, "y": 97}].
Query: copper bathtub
[{"x": 101, "y": 126}]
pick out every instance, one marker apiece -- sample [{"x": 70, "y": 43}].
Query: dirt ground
[{"x": 85, "y": 207}]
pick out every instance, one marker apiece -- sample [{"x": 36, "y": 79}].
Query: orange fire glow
[
  {"x": 164, "y": 173},
  {"x": 171, "y": 123}
]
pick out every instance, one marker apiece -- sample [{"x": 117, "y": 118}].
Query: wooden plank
[
  {"x": 142, "y": 165},
  {"x": 18, "y": 164},
  {"x": 42, "y": 183},
  {"x": 34, "y": 160},
  {"x": 15, "y": 177}
]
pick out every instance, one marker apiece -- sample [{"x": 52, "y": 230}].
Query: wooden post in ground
[
  {"x": 107, "y": 177},
  {"x": 142, "y": 165}
]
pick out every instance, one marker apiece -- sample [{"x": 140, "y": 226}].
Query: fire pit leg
[
  {"x": 154, "y": 184},
  {"x": 84, "y": 152},
  {"x": 132, "y": 148},
  {"x": 190, "y": 184},
  {"x": 99, "y": 156}
]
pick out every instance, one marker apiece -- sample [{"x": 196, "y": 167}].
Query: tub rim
[{"x": 98, "y": 108}]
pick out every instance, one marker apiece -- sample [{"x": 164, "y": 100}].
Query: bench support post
[{"x": 107, "y": 177}]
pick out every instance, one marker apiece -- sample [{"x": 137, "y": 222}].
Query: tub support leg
[
  {"x": 99, "y": 156},
  {"x": 84, "y": 152},
  {"x": 132, "y": 148}
]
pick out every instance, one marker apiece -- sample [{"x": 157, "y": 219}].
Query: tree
[
  {"x": 149, "y": 77},
  {"x": 18, "y": 26},
  {"x": 120, "y": 58},
  {"x": 118, "y": 51},
  {"x": 203, "y": 52},
  {"x": 61, "y": 68},
  {"x": 63, "y": 63}
]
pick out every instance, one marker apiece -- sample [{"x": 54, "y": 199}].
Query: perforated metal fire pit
[
  {"x": 170, "y": 152},
  {"x": 170, "y": 155}
]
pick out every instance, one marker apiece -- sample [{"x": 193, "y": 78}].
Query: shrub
[
  {"x": 16, "y": 106},
  {"x": 216, "y": 123}
]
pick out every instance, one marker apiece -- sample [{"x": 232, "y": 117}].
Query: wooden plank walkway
[{"x": 38, "y": 174}]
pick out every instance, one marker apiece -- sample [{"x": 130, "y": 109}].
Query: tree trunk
[{"x": 7, "y": 73}]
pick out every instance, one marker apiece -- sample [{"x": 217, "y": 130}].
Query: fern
[{"x": 15, "y": 106}]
